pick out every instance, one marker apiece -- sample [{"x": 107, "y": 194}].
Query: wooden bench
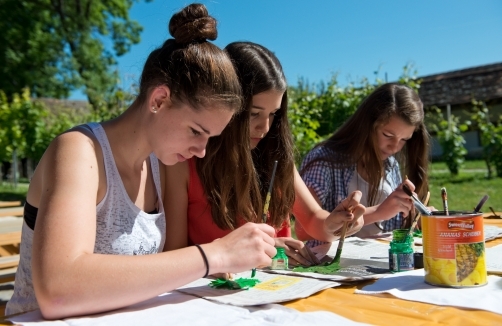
[
  {"x": 11, "y": 211},
  {"x": 10, "y": 235},
  {"x": 10, "y": 203},
  {"x": 9, "y": 262}
]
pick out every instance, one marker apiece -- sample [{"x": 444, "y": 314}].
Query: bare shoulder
[{"x": 76, "y": 150}]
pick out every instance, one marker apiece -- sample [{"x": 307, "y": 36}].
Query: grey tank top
[{"x": 121, "y": 227}]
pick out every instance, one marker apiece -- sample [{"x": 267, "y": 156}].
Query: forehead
[
  {"x": 268, "y": 99},
  {"x": 211, "y": 118},
  {"x": 398, "y": 127}
]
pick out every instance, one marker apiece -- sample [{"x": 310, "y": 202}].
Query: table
[{"x": 385, "y": 309}]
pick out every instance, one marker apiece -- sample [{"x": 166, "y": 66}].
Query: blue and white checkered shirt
[{"x": 331, "y": 185}]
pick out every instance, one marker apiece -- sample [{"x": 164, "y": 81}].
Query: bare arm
[
  {"x": 176, "y": 204},
  {"x": 319, "y": 223},
  {"x": 398, "y": 201},
  {"x": 69, "y": 279}
]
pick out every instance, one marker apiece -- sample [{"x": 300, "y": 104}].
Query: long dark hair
[
  {"x": 356, "y": 140},
  {"x": 235, "y": 178},
  {"x": 197, "y": 72}
]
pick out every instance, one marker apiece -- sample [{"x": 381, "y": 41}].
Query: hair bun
[{"x": 193, "y": 23}]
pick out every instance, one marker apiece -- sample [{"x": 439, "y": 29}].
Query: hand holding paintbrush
[{"x": 350, "y": 209}]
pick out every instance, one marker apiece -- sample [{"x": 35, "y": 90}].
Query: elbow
[{"x": 53, "y": 301}]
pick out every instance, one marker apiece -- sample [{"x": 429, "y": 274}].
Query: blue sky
[{"x": 314, "y": 39}]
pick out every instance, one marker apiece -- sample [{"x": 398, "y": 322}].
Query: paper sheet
[
  {"x": 494, "y": 259},
  {"x": 182, "y": 309},
  {"x": 272, "y": 289},
  {"x": 411, "y": 286}
]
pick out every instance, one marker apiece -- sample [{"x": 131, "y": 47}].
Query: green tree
[
  {"x": 491, "y": 137},
  {"x": 54, "y": 46},
  {"x": 449, "y": 135}
]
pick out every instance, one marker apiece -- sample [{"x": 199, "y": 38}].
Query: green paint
[
  {"x": 240, "y": 283},
  {"x": 328, "y": 268}
]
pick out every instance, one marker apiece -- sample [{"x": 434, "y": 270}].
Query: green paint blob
[
  {"x": 240, "y": 283},
  {"x": 328, "y": 268}
]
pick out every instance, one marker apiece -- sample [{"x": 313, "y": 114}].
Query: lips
[{"x": 181, "y": 158}]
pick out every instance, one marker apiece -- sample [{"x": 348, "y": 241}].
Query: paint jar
[
  {"x": 454, "y": 249},
  {"x": 280, "y": 260},
  {"x": 401, "y": 251}
]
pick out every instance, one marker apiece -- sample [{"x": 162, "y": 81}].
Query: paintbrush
[
  {"x": 341, "y": 240},
  {"x": 418, "y": 204},
  {"x": 444, "y": 196},
  {"x": 269, "y": 194},
  {"x": 480, "y": 204},
  {"x": 267, "y": 202},
  {"x": 340, "y": 244}
]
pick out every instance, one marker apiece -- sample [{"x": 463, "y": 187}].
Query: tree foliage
[
  {"x": 55, "y": 46},
  {"x": 449, "y": 134},
  {"x": 490, "y": 136}
]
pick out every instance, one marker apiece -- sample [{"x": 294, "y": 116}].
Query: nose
[
  {"x": 395, "y": 146},
  {"x": 263, "y": 125},
  {"x": 199, "y": 150}
]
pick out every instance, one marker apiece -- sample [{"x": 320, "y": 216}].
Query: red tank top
[{"x": 201, "y": 227}]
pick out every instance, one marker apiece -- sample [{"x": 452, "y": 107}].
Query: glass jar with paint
[
  {"x": 280, "y": 260},
  {"x": 401, "y": 251}
]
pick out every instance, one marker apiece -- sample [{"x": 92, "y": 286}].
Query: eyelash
[
  {"x": 389, "y": 136},
  {"x": 255, "y": 114},
  {"x": 195, "y": 132}
]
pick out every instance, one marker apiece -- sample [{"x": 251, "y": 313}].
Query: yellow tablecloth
[{"x": 384, "y": 309}]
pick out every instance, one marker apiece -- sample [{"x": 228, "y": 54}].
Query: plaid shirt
[{"x": 331, "y": 185}]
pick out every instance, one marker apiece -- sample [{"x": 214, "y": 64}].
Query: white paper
[
  {"x": 411, "y": 286},
  {"x": 492, "y": 232},
  {"x": 272, "y": 289},
  {"x": 494, "y": 259},
  {"x": 182, "y": 309}
]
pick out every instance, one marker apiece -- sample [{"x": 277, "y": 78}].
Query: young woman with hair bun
[{"x": 95, "y": 223}]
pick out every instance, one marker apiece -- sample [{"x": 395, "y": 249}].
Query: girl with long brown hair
[
  {"x": 95, "y": 215},
  {"x": 384, "y": 140},
  {"x": 228, "y": 186}
]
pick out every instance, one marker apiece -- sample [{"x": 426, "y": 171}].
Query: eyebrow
[
  {"x": 260, "y": 108},
  {"x": 203, "y": 129},
  {"x": 394, "y": 135}
]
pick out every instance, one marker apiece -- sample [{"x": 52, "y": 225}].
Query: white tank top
[{"x": 121, "y": 227}]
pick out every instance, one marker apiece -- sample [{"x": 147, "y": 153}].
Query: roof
[{"x": 461, "y": 86}]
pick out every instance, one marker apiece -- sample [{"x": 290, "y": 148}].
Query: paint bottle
[
  {"x": 280, "y": 260},
  {"x": 401, "y": 251}
]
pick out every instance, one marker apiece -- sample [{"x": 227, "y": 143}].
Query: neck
[{"x": 128, "y": 139}]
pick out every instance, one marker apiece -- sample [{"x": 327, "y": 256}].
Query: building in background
[{"x": 456, "y": 89}]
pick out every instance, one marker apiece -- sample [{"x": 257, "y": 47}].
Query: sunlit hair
[
  {"x": 356, "y": 140},
  {"x": 236, "y": 178},
  {"x": 197, "y": 72}
]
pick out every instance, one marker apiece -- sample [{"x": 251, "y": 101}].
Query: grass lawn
[{"x": 466, "y": 189}]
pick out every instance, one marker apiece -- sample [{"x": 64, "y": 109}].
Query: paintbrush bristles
[{"x": 444, "y": 196}]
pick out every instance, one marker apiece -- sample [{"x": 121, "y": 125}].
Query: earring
[{"x": 154, "y": 109}]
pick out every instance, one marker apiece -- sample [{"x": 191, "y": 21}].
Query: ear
[{"x": 160, "y": 96}]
